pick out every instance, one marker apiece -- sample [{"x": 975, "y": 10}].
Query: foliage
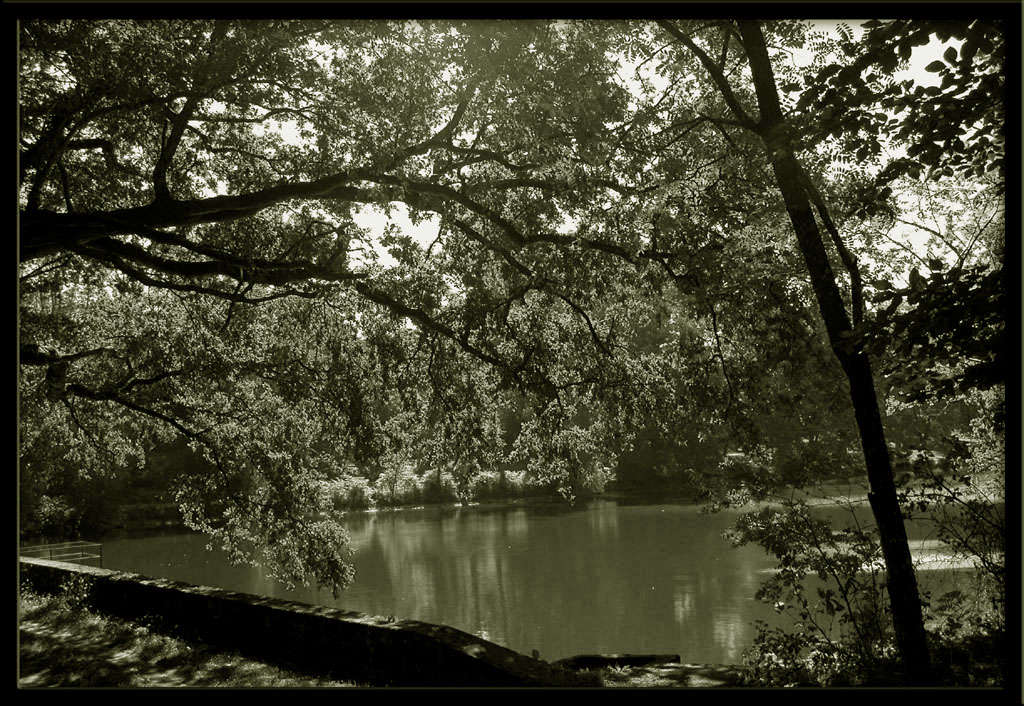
[
  {"x": 969, "y": 654},
  {"x": 953, "y": 127},
  {"x": 829, "y": 583},
  {"x": 348, "y": 492},
  {"x": 965, "y": 502},
  {"x": 396, "y": 485},
  {"x": 952, "y": 328},
  {"x": 599, "y": 248}
]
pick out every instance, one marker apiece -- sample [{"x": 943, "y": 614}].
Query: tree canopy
[{"x": 217, "y": 244}]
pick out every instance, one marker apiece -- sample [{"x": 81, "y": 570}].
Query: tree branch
[
  {"x": 35, "y": 354},
  {"x": 138, "y": 275},
  {"x": 45, "y": 232},
  {"x": 109, "y": 153},
  {"x": 716, "y": 74},
  {"x": 254, "y": 270},
  {"x": 426, "y": 321},
  {"x": 179, "y": 120},
  {"x": 110, "y": 396},
  {"x": 849, "y": 260}
]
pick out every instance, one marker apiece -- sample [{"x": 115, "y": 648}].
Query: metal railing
[{"x": 72, "y": 552}]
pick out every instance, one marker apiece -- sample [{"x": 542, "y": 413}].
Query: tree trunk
[{"x": 902, "y": 582}]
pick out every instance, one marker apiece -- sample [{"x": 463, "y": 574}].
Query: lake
[{"x": 605, "y": 576}]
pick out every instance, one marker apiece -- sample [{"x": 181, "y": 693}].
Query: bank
[{"x": 337, "y": 647}]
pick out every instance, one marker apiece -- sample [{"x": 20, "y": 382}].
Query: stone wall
[{"x": 341, "y": 644}]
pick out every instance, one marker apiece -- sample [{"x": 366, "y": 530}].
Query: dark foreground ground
[{"x": 63, "y": 645}]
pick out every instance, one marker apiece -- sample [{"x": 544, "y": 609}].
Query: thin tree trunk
[{"x": 902, "y": 582}]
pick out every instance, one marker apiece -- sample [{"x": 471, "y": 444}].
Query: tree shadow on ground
[{"x": 112, "y": 656}]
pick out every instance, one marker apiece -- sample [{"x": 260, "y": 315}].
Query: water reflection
[{"x": 605, "y": 577}]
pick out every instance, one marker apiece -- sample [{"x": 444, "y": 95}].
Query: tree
[
  {"x": 609, "y": 249},
  {"x": 242, "y": 306},
  {"x": 907, "y": 617},
  {"x": 803, "y": 199}
]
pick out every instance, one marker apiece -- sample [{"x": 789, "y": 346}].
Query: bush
[
  {"x": 967, "y": 507},
  {"x": 403, "y": 486},
  {"x": 488, "y": 485},
  {"x": 348, "y": 493},
  {"x": 438, "y": 491},
  {"x": 967, "y": 649},
  {"x": 52, "y": 516},
  {"x": 828, "y": 582},
  {"x": 76, "y": 592},
  {"x": 800, "y": 464},
  {"x": 595, "y": 482},
  {"x": 397, "y": 485},
  {"x": 964, "y": 500},
  {"x": 67, "y": 506}
]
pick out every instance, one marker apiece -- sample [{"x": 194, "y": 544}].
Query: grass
[{"x": 61, "y": 644}]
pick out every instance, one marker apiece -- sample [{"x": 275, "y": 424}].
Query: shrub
[
  {"x": 967, "y": 508},
  {"x": 967, "y": 647},
  {"x": 76, "y": 592},
  {"x": 348, "y": 493},
  {"x": 595, "y": 482},
  {"x": 397, "y": 485},
  {"x": 828, "y": 582},
  {"x": 53, "y": 516},
  {"x": 438, "y": 491},
  {"x": 488, "y": 485},
  {"x": 964, "y": 500}
]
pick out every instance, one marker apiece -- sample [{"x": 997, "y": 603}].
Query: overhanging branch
[
  {"x": 714, "y": 72},
  {"x": 79, "y": 390}
]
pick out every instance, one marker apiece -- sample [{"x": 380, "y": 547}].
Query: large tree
[{"x": 192, "y": 262}]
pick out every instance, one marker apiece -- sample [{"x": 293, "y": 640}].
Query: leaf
[
  {"x": 968, "y": 50},
  {"x": 935, "y": 67},
  {"x": 829, "y": 71},
  {"x": 950, "y": 55}
]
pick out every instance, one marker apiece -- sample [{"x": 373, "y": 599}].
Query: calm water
[{"x": 605, "y": 577}]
